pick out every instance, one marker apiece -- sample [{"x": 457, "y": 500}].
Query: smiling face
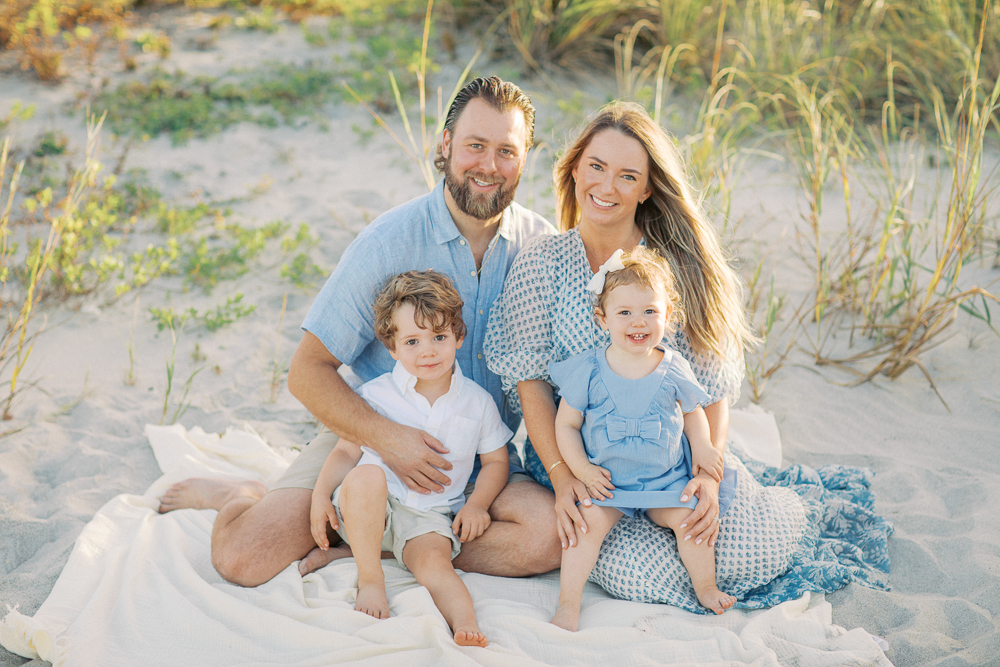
[
  {"x": 426, "y": 354},
  {"x": 637, "y": 318},
  {"x": 484, "y": 157},
  {"x": 612, "y": 177}
]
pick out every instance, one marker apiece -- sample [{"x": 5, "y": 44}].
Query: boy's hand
[
  {"x": 321, "y": 512},
  {"x": 709, "y": 460},
  {"x": 470, "y": 522},
  {"x": 598, "y": 481}
]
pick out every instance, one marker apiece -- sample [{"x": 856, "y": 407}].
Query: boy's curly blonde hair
[
  {"x": 647, "y": 269},
  {"x": 435, "y": 302}
]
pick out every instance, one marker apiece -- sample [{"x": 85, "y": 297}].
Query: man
[{"x": 469, "y": 228}]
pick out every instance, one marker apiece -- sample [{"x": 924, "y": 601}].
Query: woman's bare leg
[
  {"x": 578, "y": 561},
  {"x": 698, "y": 559}
]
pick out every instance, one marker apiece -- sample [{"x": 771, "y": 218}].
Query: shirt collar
[
  {"x": 405, "y": 381},
  {"x": 445, "y": 229}
]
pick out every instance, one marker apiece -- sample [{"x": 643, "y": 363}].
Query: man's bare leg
[
  {"x": 255, "y": 536},
  {"x": 522, "y": 539},
  {"x": 206, "y": 493}
]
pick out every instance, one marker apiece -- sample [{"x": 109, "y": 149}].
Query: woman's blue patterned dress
[{"x": 785, "y": 532}]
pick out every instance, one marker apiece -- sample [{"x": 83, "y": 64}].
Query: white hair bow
[{"x": 614, "y": 263}]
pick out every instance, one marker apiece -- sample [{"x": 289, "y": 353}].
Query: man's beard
[{"x": 478, "y": 205}]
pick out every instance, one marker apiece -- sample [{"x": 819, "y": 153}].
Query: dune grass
[{"x": 840, "y": 89}]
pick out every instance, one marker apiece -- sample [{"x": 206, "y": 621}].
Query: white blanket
[{"x": 140, "y": 589}]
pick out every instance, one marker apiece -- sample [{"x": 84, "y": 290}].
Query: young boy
[{"x": 418, "y": 316}]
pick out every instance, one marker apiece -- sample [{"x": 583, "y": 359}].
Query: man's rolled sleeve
[{"x": 342, "y": 316}]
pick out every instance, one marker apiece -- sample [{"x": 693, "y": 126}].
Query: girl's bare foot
[
  {"x": 470, "y": 637},
  {"x": 567, "y": 616},
  {"x": 206, "y": 493},
  {"x": 372, "y": 600},
  {"x": 318, "y": 558},
  {"x": 715, "y": 599}
]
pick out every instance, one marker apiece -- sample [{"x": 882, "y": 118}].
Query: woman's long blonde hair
[{"x": 672, "y": 223}]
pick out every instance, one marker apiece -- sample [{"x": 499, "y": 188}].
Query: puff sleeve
[
  {"x": 689, "y": 392},
  {"x": 573, "y": 377}
]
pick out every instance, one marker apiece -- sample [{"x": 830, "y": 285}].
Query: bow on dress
[{"x": 620, "y": 428}]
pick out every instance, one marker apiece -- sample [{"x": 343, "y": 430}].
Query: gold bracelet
[{"x": 554, "y": 466}]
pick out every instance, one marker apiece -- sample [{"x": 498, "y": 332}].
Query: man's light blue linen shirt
[{"x": 417, "y": 236}]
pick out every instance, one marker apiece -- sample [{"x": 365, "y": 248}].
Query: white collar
[{"x": 405, "y": 381}]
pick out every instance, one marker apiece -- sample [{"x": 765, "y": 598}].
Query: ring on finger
[{"x": 715, "y": 519}]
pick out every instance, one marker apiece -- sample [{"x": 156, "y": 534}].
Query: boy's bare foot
[
  {"x": 715, "y": 599},
  {"x": 372, "y": 600},
  {"x": 567, "y": 617},
  {"x": 318, "y": 558},
  {"x": 470, "y": 637},
  {"x": 206, "y": 493}
]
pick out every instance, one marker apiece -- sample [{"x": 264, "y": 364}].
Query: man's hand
[
  {"x": 470, "y": 522},
  {"x": 415, "y": 456},
  {"x": 703, "y": 522},
  {"x": 321, "y": 512}
]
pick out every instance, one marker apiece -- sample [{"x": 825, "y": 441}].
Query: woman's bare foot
[
  {"x": 567, "y": 616},
  {"x": 470, "y": 637},
  {"x": 318, "y": 558},
  {"x": 715, "y": 599},
  {"x": 372, "y": 600},
  {"x": 206, "y": 493}
]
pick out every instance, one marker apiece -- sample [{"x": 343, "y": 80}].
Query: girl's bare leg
[
  {"x": 362, "y": 504},
  {"x": 428, "y": 557},
  {"x": 578, "y": 561},
  {"x": 698, "y": 559}
]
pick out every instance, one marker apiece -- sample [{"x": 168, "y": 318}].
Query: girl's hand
[
  {"x": 702, "y": 524},
  {"x": 470, "y": 522},
  {"x": 321, "y": 512},
  {"x": 598, "y": 481},
  {"x": 569, "y": 490},
  {"x": 707, "y": 459}
]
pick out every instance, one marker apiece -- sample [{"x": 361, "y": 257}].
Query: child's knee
[
  {"x": 428, "y": 551},
  {"x": 669, "y": 517},
  {"x": 365, "y": 480}
]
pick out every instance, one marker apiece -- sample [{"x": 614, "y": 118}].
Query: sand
[{"x": 937, "y": 473}]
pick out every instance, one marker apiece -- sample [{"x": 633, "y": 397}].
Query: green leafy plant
[{"x": 225, "y": 254}]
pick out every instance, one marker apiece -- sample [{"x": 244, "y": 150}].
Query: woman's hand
[
  {"x": 321, "y": 512},
  {"x": 569, "y": 490},
  {"x": 703, "y": 522}
]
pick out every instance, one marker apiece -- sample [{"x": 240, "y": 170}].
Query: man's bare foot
[
  {"x": 470, "y": 637},
  {"x": 567, "y": 616},
  {"x": 715, "y": 599},
  {"x": 372, "y": 600},
  {"x": 206, "y": 493},
  {"x": 318, "y": 558}
]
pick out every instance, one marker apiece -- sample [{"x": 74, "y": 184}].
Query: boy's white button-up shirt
[{"x": 465, "y": 420}]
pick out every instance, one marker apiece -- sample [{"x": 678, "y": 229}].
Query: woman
[{"x": 621, "y": 183}]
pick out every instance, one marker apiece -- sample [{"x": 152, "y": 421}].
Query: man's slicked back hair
[{"x": 499, "y": 94}]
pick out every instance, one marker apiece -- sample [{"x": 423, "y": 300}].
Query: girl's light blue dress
[{"x": 635, "y": 428}]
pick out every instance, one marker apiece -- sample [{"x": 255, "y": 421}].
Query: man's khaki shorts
[{"x": 304, "y": 470}]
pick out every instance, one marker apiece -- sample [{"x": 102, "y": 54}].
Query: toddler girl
[{"x": 619, "y": 426}]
